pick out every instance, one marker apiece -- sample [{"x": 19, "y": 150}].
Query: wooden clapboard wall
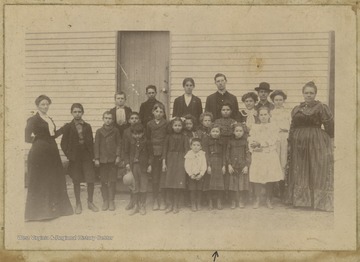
[
  {"x": 71, "y": 67},
  {"x": 285, "y": 60}
]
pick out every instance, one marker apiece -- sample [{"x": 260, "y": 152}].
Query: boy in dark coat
[
  {"x": 107, "y": 152},
  {"x": 120, "y": 113},
  {"x": 146, "y": 108},
  {"x": 77, "y": 145},
  {"x": 138, "y": 158}
]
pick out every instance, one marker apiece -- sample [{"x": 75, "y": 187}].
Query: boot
[
  {"x": 193, "y": 204},
  {"x": 256, "y": 202},
  {"x": 136, "y": 206},
  {"x": 162, "y": 200},
  {"x": 142, "y": 208},
  {"x": 156, "y": 204},
  {"x": 233, "y": 204},
  {"x": 198, "y": 201},
  {"x": 105, "y": 196},
  {"x": 242, "y": 200},
  {"x": 219, "y": 206},
  {"x": 170, "y": 205},
  {"x": 269, "y": 204},
  {"x": 112, "y": 197},
  {"x": 131, "y": 202},
  {"x": 78, "y": 208},
  {"x": 210, "y": 204},
  {"x": 92, "y": 207},
  {"x": 176, "y": 203}
]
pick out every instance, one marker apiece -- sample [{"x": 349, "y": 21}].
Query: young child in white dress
[
  {"x": 265, "y": 167},
  {"x": 195, "y": 167}
]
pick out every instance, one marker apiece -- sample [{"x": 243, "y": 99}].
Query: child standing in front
[
  {"x": 77, "y": 144},
  {"x": 195, "y": 167},
  {"x": 133, "y": 119},
  {"x": 175, "y": 147},
  {"x": 238, "y": 159},
  {"x": 138, "y": 158},
  {"x": 107, "y": 151},
  {"x": 156, "y": 131},
  {"x": 265, "y": 166},
  {"x": 214, "y": 148}
]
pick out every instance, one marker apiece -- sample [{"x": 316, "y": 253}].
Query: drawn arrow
[{"x": 215, "y": 255}]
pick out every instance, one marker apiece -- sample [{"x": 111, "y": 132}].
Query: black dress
[{"x": 47, "y": 196}]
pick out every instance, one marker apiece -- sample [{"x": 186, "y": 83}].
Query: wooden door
[{"x": 143, "y": 59}]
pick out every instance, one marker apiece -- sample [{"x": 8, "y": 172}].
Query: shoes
[
  {"x": 92, "y": 207},
  {"x": 111, "y": 205},
  {"x": 193, "y": 207},
  {"x": 142, "y": 210},
  {"x": 105, "y": 205},
  {"x": 156, "y": 205},
  {"x": 233, "y": 205},
  {"x": 256, "y": 203},
  {"x": 78, "y": 208},
  {"x": 241, "y": 204},
  {"x": 169, "y": 209},
  {"x": 130, "y": 205},
  {"x": 210, "y": 204},
  {"x": 176, "y": 210},
  {"x": 134, "y": 211},
  {"x": 219, "y": 206},
  {"x": 269, "y": 204}
]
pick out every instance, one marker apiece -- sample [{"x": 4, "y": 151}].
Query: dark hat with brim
[{"x": 263, "y": 86}]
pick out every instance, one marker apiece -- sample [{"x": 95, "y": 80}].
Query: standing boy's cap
[
  {"x": 128, "y": 180},
  {"x": 263, "y": 86}
]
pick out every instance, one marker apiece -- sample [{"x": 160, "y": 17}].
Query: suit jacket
[
  {"x": 107, "y": 144},
  {"x": 215, "y": 101},
  {"x": 194, "y": 108},
  {"x": 121, "y": 128},
  {"x": 70, "y": 140},
  {"x": 138, "y": 151}
]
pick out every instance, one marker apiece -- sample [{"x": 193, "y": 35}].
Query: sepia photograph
[{"x": 180, "y": 127}]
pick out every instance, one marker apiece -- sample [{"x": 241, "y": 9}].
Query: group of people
[{"x": 211, "y": 156}]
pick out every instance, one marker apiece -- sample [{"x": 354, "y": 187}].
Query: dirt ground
[{"x": 153, "y": 229}]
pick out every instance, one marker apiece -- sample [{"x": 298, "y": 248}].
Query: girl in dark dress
[
  {"x": 175, "y": 147},
  {"x": 47, "y": 196},
  {"x": 310, "y": 178},
  {"x": 238, "y": 159},
  {"x": 214, "y": 148}
]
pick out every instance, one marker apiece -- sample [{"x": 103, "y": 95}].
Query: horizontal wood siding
[
  {"x": 285, "y": 60},
  {"x": 77, "y": 67}
]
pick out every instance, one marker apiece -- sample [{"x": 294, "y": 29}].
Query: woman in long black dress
[
  {"x": 310, "y": 176},
  {"x": 47, "y": 196}
]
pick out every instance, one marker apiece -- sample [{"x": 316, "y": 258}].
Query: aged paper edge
[{"x": 163, "y": 255}]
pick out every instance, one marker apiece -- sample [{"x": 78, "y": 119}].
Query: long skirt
[
  {"x": 47, "y": 196},
  {"x": 310, "y": 178}
]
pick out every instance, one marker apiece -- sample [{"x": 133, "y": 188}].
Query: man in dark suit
[
  {"x": 146, "y": 108},
  {"x": 120, "y": 112},
  {"x": 188, "y": 103},
  {"x": 215, "y": 101}
]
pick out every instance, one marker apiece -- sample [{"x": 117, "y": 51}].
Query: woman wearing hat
[
  {"x": 47, "y": 196},
  {"x": 263, "y": 91},
  {"x": 311, "y": 168}
]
